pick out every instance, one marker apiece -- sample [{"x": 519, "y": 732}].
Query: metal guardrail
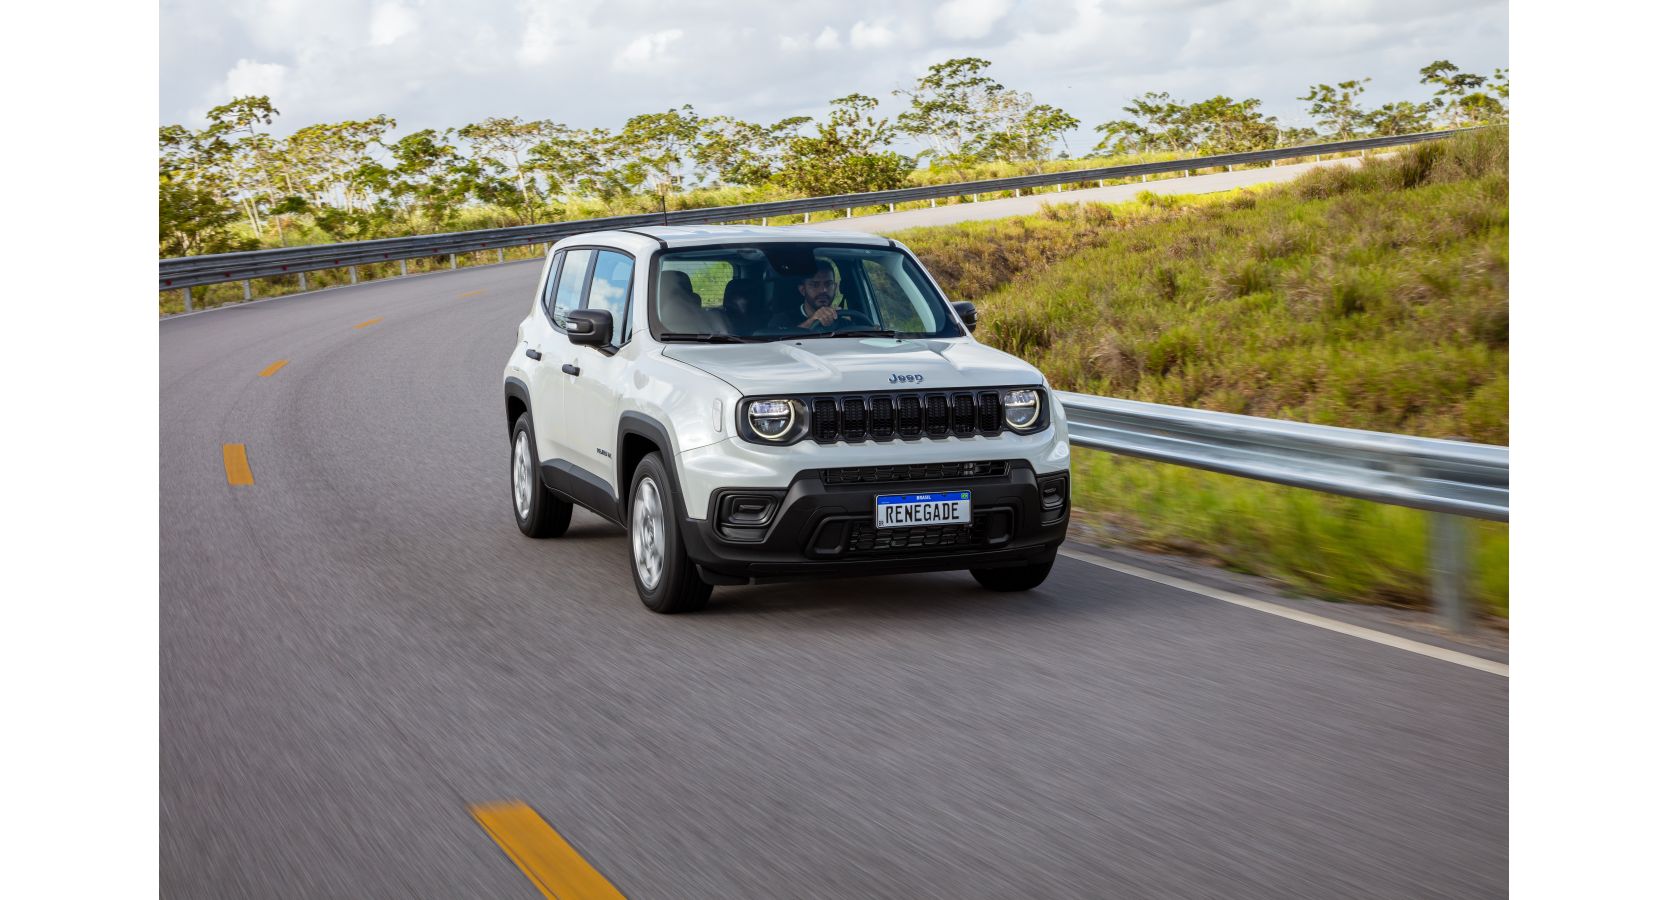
[
  {"x": 186, "y": 272},
  {"x": 1449, "y": 479}
]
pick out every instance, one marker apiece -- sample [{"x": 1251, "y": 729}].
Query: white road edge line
[{"x": 1274, "y": 609}]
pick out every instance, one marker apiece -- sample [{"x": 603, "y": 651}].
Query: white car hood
[{"x": 831, "y": 365}]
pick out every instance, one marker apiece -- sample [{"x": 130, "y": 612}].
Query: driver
[{"x": 816, "y": 312}]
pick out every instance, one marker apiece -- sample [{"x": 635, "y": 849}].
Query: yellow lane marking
[
  {"x": 271, "y": 370},
  {"x": 368, "y": 322},
  {"x": 555, "y": 868},
  {"x": 237, "y": 464},
  {"x": 471, "y": 293}
]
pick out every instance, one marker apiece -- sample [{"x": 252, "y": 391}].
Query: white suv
[{"x": 755, "y": 404}]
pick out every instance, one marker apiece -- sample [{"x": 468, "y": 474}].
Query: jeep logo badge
[{"x": 900, "y": 378}]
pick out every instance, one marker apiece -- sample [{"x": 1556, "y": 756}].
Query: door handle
[
  {"x": 570, "y": 368},
  {"x": 534, "y": 354}
]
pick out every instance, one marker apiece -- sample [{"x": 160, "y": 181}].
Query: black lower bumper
[{"x": 821, "y": 529}]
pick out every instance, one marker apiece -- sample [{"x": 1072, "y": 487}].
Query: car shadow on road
[{"x": 934, "y": 596}]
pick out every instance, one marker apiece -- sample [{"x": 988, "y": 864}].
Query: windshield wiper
[
  {"x": 706, "y": 337},
  {"x": 854, "y": 332}
]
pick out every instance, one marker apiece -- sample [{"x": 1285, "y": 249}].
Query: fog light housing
[
  {"x": 745, "y": 516},
  {"x": 1054, "y": 493}
]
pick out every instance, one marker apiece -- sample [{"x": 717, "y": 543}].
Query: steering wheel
[{"x": 855, "y": 319}]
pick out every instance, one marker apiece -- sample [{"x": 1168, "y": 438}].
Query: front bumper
[{"x": 821, "y": 529}]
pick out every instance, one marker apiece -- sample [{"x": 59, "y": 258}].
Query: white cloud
[
  {"x": 540, "y": 35},
  {"x": 828, "y": 39},
  {"x": 391, "y": 21},
  {"x": 872, "y": 37},
  {"x": 649, "y": 50},
  {"x": 251, "y": 78},
  {"x": 968, "y": 19}
]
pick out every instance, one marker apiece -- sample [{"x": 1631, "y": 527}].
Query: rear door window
[{"x": 570, "y": 286}]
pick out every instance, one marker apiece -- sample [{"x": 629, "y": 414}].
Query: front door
[{"x": 594, "y": 394}]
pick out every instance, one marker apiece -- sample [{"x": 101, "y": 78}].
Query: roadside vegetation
[
  {"x": 1371, "y": 297},
  {"x": 239, "y": 183}
]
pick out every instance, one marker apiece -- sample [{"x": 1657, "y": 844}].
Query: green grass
[{"x": 1368, "y": 298}]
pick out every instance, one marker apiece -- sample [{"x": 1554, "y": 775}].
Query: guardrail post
[
  {"x": 891, "y": 207},
  {"x": 1143, "y": 180},
  {"x": 303, "y": 276},
  {"x": 807, "y": 219},
  {"x": 848, "y": 212},
  {"x": 1230, "y": 167},
  {"x": 1317, "y": 157},
  {"x": 353, "y": 274},
  {"x": 1058, "y": 188},
  {"x": 248, "y": 292},
  {"x": 402, "y": 268},
  {"x": 1102, "y": 182},
  {"x": 1450, "y": 575},
  {"x": 500, "y": 254},
  {"x": 186, "y": 293},
  {"x": 1016, "y": 193},
  {"x": 935, "y": 203},
  {"x": 454, "y": 260}
]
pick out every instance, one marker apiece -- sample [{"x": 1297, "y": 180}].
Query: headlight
[
  {"x": 773, "y": 420},
  {"x": 1021, "y": 409}
]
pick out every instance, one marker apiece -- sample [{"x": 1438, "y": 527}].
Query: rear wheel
[
  {"x": 1015, "y": 578},
  {"x": 666, "y": 579},
  {"x": 538, "y": 512}
]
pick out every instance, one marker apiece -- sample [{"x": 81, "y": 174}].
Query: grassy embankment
[{"x": 1372, "y": 298}]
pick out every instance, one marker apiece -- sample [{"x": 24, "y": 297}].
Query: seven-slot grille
[{"x": 882, "y": 417}]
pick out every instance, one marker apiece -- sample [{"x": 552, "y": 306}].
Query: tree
[
  {"x": 1225, "y": 125},
  {"x": 499, "y": 147},
  {"x": 578, "y": 162},
  {"x": 1464, "y": 98},
  {"x": 244, "y": 153},
  {"x": 1026, "y": 131},
  {"x": 847, "y": 154},
  {"x": 1400, "y": 117},
  {"x": 1334, "y": 107},
  {"x": 1158, "y": 123},
  {"x": 745, "y": 153},
  {"x": 1218, "y": 125},
  {"x": 193, "y": 215},
  {"x": 956, "y": 108},
  {"x": 655, "y": 148},
  {"x": 426, "y": 176}
]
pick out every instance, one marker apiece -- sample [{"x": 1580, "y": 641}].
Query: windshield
[{"x": 775, "y": 291}]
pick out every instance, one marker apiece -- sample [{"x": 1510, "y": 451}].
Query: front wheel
[
  {"x": 667, "y": 581},
  {"x": 1015, "y": 578}
]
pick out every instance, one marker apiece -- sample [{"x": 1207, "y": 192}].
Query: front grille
[
  {"x": 918, "y": 472},
  {"x": 883, "y": 417},
  {"x": 864, "y": 537}
]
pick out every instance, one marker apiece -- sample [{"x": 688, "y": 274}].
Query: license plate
[{"x": 909, "y": 510}]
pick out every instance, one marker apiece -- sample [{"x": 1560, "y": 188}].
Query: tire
[
  {"x": 538, "y": 512},
  {"x": 665, "y": 577},
  {"x": 1015, "y": 578}
]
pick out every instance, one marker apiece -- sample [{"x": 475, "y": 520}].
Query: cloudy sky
[{"x": 433, "y": 63}]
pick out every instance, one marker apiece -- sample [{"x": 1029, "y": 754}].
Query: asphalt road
[{"x": 359, "y": 646}]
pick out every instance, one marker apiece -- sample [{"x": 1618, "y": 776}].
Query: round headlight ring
[
  {"x": 772, "y": 420},
  {"x": 1021, "y": 408}
]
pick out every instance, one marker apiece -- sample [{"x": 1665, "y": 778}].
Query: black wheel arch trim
[
  {"x": 517, "y": 389},
  {"x": 640, "y": 425}
]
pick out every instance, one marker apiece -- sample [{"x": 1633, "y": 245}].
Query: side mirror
[
  {"x": 590, "y": 326},
  {"x": 969, "y": 315}
]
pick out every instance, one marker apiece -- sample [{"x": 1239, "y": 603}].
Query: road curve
[{"x": 358, "y": 646}]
